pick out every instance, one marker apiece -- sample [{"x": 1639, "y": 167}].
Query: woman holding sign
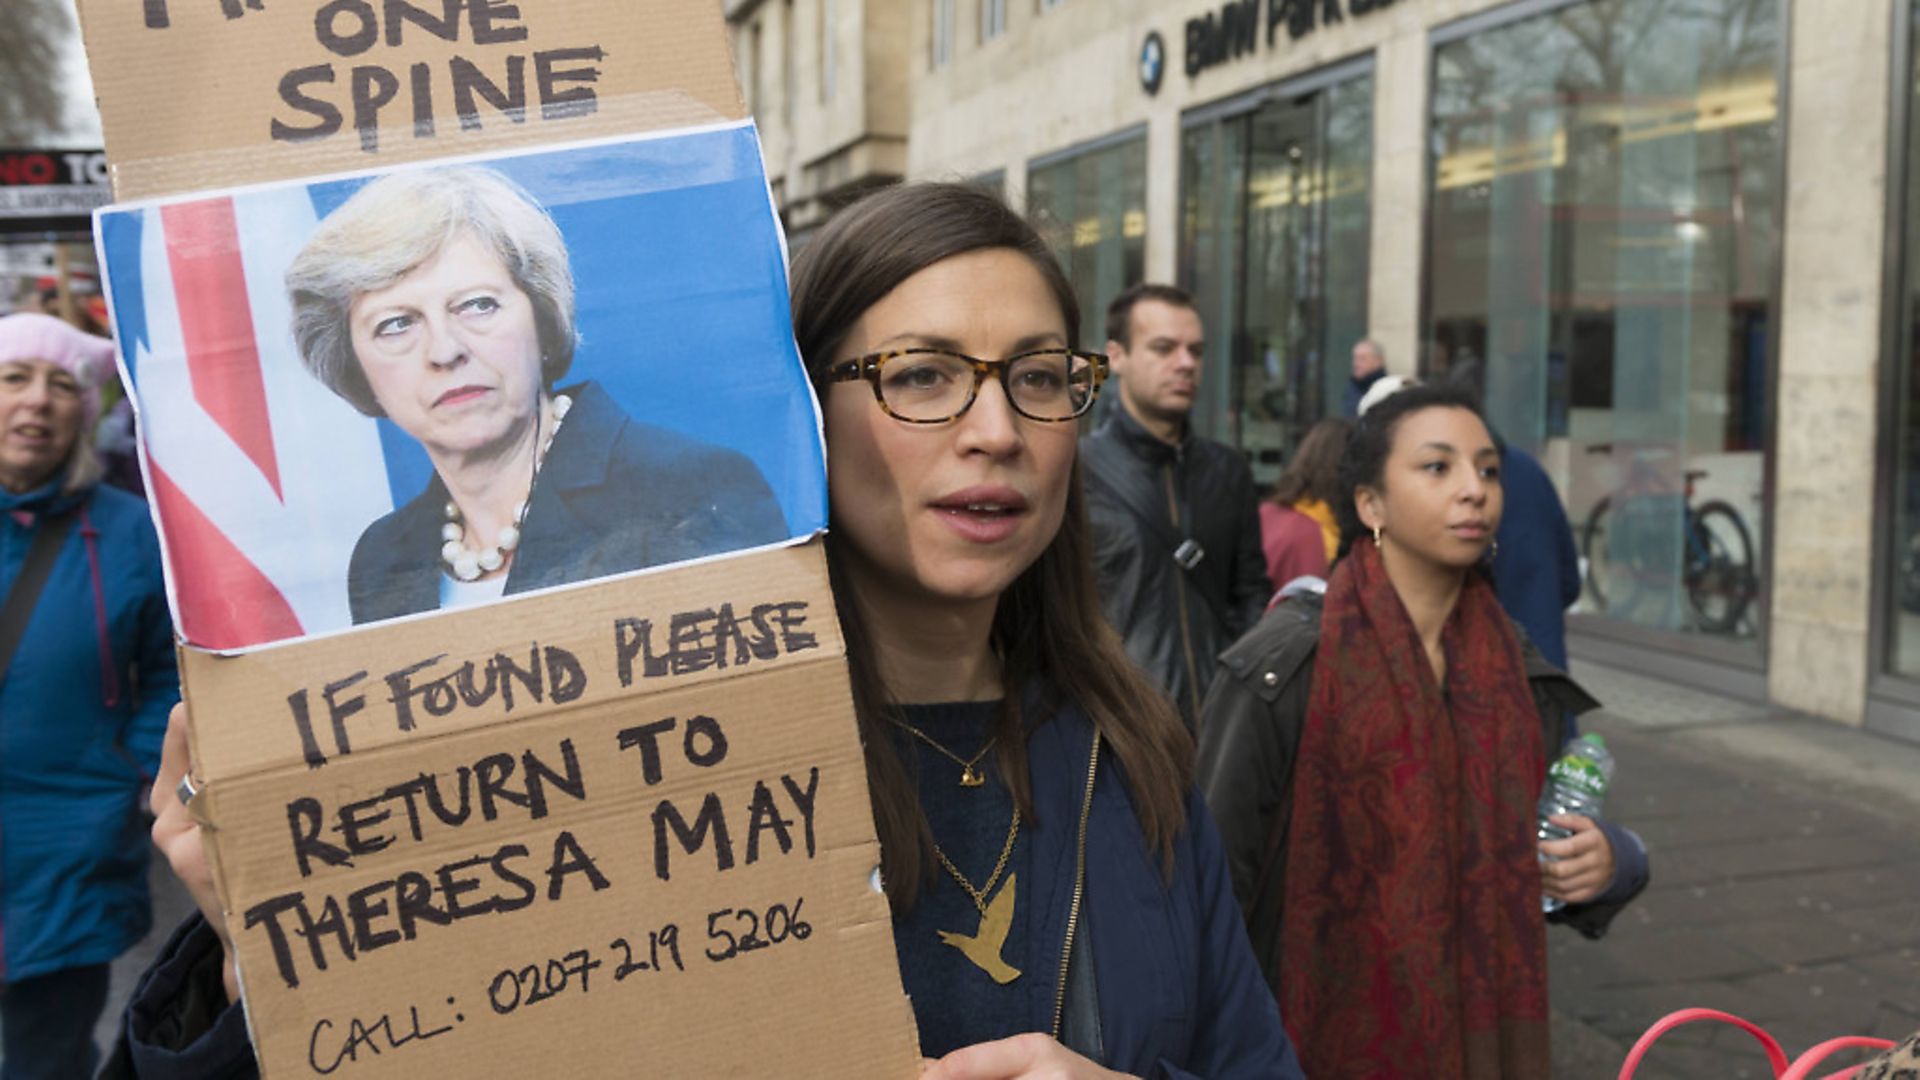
[
  {"x": 443, "y": 300},
  {"x": 1060, "y": 903}
]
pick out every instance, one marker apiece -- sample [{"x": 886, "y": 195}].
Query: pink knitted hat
[{"x": 28, "y": 336}]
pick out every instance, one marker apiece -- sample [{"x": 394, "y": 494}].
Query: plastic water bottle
[{"x": 1576, "y": 784}]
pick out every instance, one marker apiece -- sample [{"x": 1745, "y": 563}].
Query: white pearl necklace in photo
[{"x": 464, "y": 562}]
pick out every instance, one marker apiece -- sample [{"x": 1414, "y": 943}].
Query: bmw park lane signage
[{"x": 1236, "y": 29}]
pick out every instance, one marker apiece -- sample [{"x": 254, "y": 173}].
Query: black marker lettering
[
  {"x": 529, "y": 676},
  {"x": 707, "y": 728},
  {"x": 373, "y": 87},
  {"x": 491, "y": 773},
  {"x": 446, "y": 27},
  {"x": 400, "y": 686},
  {"x": 332, "y": 922},
  {"x": 362, "y": 909},
  {"x": 267, "y": 913},
  {"x": 338, "y": 710},
  {"x": 570, "y": 858},
  {"x": 303, "y": 821},
  {"x": 303, "y": 722},
  {"x": 356, "y": 817},
  {"x": 647, "y": 738},
  {"x": 566, "y": 679},
  {"x": 762, "y": 813},
  {"x": 524, "y": 886},
  {"x": 438, "y": 805},
  {"x": 364, "y": 27},
  {"x": 484, "y": 13},
  {"x": 539, "y": 774},
  {"x": 711, "y": 822},
  {"x": 413, "y": 900},
  {"x": 470, "y": 85},
  {"x": 804, "y": 800},
  {"x": 685, "y": 642},
  {"x": 474, "y": 694},
  {"x": 572, "y": 101}
]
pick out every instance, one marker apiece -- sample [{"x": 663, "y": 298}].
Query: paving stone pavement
[{"x": 1786, "y": 887}]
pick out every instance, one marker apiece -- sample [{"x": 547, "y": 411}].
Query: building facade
[{"x": 1663, "y": 236}]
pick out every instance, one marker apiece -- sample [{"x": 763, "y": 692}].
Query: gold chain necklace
[
  {"x": 969, "y": 776},
  {"x": 983, "y": 947}
]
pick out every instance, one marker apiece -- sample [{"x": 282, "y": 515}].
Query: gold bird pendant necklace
[
  {"x": 996, "y": 916},
  {"x": 984, "y": 946}
]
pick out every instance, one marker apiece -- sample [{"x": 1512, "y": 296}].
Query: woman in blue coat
[
  {"x": 1061, "y": 906},
  {"x": 83, "y": 701}
]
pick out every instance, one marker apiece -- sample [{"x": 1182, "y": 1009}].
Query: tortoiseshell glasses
[{"x": 933, "y": 386}]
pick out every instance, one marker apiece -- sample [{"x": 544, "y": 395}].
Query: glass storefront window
[
  {"x": 1092, "y": 208},
  {"x": 1605, "y": 211},
  {"x": 1274, "y": 232},
  {"x": 1903, "y": 597}
]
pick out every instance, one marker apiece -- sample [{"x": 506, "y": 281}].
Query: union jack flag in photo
[{"x": 244, "y": 451}]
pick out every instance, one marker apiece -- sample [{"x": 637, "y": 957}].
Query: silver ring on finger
[{"x": 186, "y": 791}]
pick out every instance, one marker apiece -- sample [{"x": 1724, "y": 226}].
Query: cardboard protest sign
[
  {"x": 258, "y": 90},
  {"x": 607, "y": 818},
  {"x": 663, "y": 864},
  {"x": 336, "y": 375}
]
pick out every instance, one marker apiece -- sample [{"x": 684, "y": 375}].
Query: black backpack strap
[{"x": 26, "y": 587}]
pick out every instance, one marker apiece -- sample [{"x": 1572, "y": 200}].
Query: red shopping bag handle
[{"x": 1776, "y": 1057}]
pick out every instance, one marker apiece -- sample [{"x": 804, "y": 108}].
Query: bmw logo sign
[{"x": 1153, "y": 61}]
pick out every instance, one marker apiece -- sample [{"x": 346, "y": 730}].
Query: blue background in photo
[{"x": 681, "y": 292}]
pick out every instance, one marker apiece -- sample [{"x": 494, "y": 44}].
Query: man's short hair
[
  {"x": 1379, "y": 353},
  {"x": 1120, "y": 312}
]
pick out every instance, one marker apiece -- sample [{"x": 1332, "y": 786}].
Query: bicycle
[{"x": 1628, "y": 554}]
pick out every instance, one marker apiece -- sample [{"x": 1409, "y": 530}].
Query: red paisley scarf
[{"x": 1413, "y": 943}]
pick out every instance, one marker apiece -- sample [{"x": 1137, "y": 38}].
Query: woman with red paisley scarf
[{"x": 1374, "y": 760}]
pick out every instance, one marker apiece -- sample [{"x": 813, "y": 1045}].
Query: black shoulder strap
[
  {"x": 26, "y": 588},
  {"x": 1161, "y": 530}
]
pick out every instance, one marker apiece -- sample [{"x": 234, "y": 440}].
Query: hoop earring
[{"x": 1376, "y": 536}]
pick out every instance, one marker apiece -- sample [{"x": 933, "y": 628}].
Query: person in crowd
[
  {"x": 86, "y": 679},
  {"x": 1298, "y": 532},
  {"x": 1369, "y": 364},
  {"x": 1536, "y": 568},
  {"x": 1026, "y": 781},
  {"x": 117, "y": 441},
  {"x": 443, "y": 299},
  {"x": 1374, "y": 759},
  {"x": 1175, "y": 517}
]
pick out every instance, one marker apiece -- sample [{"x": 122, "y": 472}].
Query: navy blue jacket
[
  {"x": 1179, "y": 993},
  {"x": 82, "y": 711},
  {"x": 614, "y": 495},
  {"x": 1536, "y": 573}
]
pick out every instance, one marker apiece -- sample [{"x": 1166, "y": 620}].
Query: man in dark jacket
[{"x": 1176, "y": 526}]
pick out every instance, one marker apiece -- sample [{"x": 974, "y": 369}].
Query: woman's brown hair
[
  {"x": 1048, "y": 630},
  {"x": 1314, "y": 472}
]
